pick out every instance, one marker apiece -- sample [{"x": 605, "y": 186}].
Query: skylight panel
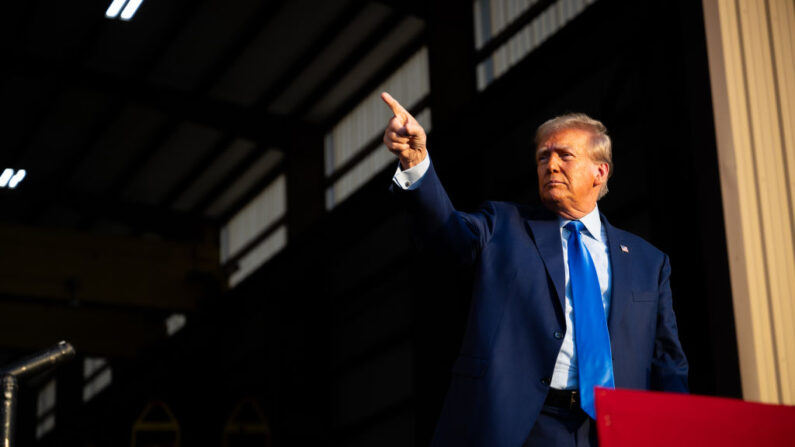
[
  {"x": 123, "y": 9},
  {"x": 10, "y": 179}
]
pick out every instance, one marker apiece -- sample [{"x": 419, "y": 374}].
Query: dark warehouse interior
[{"x": 145, "y": 139}]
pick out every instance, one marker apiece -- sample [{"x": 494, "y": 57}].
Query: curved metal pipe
[
  {"x": 23, "y": 368},
  {"x": 40, "y": 361}
]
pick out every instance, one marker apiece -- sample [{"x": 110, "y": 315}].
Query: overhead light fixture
[
  {"x": 5, "y": 177},
  {"x": 129, "y": 10},
  {"x": 10, "y": 179},
  {"x": 17, "y": 178},
  {"x": 123, "y": 9},
  {"x": 114, "y": 8}
]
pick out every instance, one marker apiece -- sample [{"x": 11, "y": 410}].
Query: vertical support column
[
  {"x": 751, "y": 48},
  {"x": 305, "y": 177},
  {"x": 439, "y": 324},
  {"x": 451, "y": 57},
  {"x": 451, "y": 64}
]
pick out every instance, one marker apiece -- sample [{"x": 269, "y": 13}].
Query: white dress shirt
[{"x": 595, "y": 239}]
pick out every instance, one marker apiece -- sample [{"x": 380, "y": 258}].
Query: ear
[{"x": 601, "y": 171}]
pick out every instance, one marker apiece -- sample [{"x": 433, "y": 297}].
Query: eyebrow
[{"x": 553, "y": 148}]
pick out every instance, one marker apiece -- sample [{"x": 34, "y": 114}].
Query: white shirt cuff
[{"x": 410, "y": 178}]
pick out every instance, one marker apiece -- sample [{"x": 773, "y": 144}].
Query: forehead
[{"x": 571, "y": 138}]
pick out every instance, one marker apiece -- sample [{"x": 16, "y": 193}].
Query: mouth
[{"x": 553, "y": 183}]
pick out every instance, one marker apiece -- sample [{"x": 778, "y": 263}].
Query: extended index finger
[{"x": 397, "y": 109}]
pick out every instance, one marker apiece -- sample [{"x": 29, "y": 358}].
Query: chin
[
  {"x": 552, "y": 198},
  {"x": 551, "y": 203}
]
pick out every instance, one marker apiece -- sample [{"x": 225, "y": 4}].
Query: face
[{"x": 568, "y": 179}]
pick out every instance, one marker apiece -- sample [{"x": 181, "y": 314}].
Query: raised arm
[{"x": 433, "y": 218}]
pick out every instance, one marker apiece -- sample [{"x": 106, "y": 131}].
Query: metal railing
[{"x": 21, "y": 369}]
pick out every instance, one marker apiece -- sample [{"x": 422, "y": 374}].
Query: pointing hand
[{"x": 404, "y": 136}]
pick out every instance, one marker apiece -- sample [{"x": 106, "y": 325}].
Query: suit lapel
[
  {"x": 546, "y": 234},
  {"x": 621, "y": 265}
]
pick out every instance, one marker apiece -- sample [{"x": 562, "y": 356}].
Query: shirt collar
[{"x": 591, "y": 221}]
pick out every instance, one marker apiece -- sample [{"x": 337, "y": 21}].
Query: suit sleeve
[
  {"x": 434, "y": 221},
  {"x": 669, "y": 365}
]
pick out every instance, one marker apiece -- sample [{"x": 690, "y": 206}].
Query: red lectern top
[{"x": 644, "y": 418}]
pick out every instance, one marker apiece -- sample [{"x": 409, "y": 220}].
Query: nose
[{"x": 553, "y": 163}]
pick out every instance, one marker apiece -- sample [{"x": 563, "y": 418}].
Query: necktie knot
[{"x": 574, "y": 227}]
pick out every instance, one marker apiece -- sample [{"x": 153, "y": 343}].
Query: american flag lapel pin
[{"x": 624, "y": 248}]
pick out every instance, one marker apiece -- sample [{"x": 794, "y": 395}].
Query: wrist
[{"x": 408, "y": 163}]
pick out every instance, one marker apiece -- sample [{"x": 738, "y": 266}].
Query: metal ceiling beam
[
  {"x": 223, "y": 184},
  {"x": 195, "y": 107},
  {"x": 111, "y": 193},
  {"x": 39, "y": 196},
  {"x": 509, "y": 31},
  {"x": 396, "y": 61},
  {"x": 94, "y": 332},
  {"x": 173, "y": 225},
  {"x": 322, "y": 42},
  {"x": 244, "y": 37},
  {"x": 209, "y": 159},
  {"x": 228, "y": 117},
  {"x": 69, "y": 76},
  {"x": 231, "y": 264},
  {"x": 367, "y": 44},
  {"x": 25, "y": 12},
  {"x": 75, "y": 267},
  {"x": 417, "y": 8},
  {"x": 235, "y": 120},
  {"x": 252, "y": 192},
  {"x": 239, "y": 121},
  {"x": 12, "y": 155},
  {"x": 325, "y": 38},
  {"x": 142, "y": 158},
  {"x": 43, "y": 192}
]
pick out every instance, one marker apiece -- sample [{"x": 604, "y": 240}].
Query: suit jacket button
[
  {"x": 557, "y": 334},
  {"x": 545, "y": 381}
]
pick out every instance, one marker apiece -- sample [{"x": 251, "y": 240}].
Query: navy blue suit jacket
[{"x": 501, "y": 378}]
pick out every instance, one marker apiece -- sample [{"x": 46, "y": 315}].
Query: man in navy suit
[{"x": 517, "y": 380}]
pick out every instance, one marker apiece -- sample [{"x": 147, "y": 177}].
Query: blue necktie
[{"x": 592, "y": 341}]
